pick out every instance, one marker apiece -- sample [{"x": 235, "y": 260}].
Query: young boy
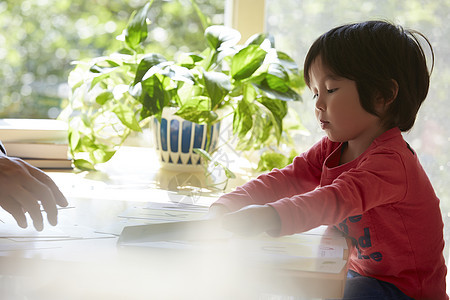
[{"x": 369, "y": 80}]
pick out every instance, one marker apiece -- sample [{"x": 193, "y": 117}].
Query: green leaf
[
  {"x": 276, "y": 83},
  {"x": 77, "y": 85},
  {"x": 278, "y": 110},
  {"x": 126, "y": 116},
  {"x": 207, "y": 157},
  {"x": 136, "y": 31},
  {"x": 83, "y": 165},
  {"x": 203, "y": 153},
  {"x": 101, "y": 155},
  {"x": 172, "y": 71},
  {"x": 261, "y": 130},
  {"x": 95, "y": 69},
  {"x": 87, "y": 144},
  {"x": 277, "y": 77},
  {"x": 287, "y": 62},
  {"x": 288, "y": 95},
  {"x": 146, "y": 63},
  {"x": 179, "y": 73},
  {"x": 256, "y": 39},
  {"x": 271, "y": 160},
  {"x": 247, "y": 61},
  {"x": 188, "y": 60},
  {"x": 74, "y": 138},
  {"x": 259, "y": 38},
  {"x": 217, "y": 85},
  {"x": 197, "y": 110},
  {"x": 228, "y": 172},
  {"x": 218, "y": 36},
  {"x": 112, "y": 63},
  {"x": 242, "y": 119},
  {"x": 153, "y": 97},
  {"x": 98, "y": 78},
  {"x": 103, "y": 97}
]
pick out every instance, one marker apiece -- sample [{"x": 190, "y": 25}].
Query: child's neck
[
  {"x": 352, "y": 150},
  {"x": 346, "y": 154}
]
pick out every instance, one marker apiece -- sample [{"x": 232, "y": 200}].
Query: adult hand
[
  {"x": 23, "y": 188},
  {"x": 252, "y": 220}
]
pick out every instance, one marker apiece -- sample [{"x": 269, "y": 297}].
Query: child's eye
[
  {"x": 331, "y": 91},
  {"x": 315, "y": 96}
]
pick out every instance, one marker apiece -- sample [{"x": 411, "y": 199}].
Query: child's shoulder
[
  {"x": 392, "y": 141},
  {"x": 391, "y": 150}
]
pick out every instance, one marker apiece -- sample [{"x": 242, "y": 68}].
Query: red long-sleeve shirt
[{"x": 383, "y": 201}]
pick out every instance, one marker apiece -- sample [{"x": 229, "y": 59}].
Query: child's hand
[
  {"x": 24, "y": 188},
  {"x": 217, "y": 211},
  {"x": 252, "y": 220}
]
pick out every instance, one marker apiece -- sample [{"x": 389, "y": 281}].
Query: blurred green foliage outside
[{"x": 40, "y": 38}]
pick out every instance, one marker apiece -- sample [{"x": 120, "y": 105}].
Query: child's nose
[{"x": 320, "y": 104}]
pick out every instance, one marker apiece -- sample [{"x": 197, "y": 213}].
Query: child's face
[{"x": 338, "y": 108}]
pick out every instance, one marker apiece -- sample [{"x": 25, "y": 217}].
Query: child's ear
[
  {"x": 394, "y": 92},
  {"x": 383, "y": 101}
]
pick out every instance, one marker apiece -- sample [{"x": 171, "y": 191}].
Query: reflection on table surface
[{"x": 80, "y": 259}]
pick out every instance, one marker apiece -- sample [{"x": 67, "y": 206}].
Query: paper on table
[
  {"x": 178, "y": 206},
  {"x": 309, "y": 264},
  {"x": 12, "y": 237},
  {"x": 161, "y": 215},
  {"x": 174, "y": 231},
  {"x": 302, "y": 238},
  {"x": 12, "y": 230},
  {"x": 9, "y": 245},
  {"x": 297, "y": 245},
  {"x": 296, "y": 252}
]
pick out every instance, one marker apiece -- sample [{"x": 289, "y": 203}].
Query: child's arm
[
  {"x": 379, "y": 180},
  {"x": 252, "y": 220},
  {"x": 302, "y": 176}
]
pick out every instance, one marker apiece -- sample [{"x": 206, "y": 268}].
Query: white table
[{"x": 79, "y": 258}]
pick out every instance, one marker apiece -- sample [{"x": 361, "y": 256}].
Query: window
[
  {"x": 40, "y": 38},
  {"x": 296, "y": 24}
]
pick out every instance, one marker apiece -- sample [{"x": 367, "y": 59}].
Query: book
[
  {"x": 32, "y": 130},
  {"x": 37, "y": 150},
  {"x": 50, "y": 163}
]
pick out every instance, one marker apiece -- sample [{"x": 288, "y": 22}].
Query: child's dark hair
[{"x": 373, "y": 54}]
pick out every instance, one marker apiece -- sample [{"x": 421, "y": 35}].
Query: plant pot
[{"x": 176, "y": 139}]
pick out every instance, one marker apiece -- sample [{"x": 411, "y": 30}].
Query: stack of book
[{"x": 40, "y": 142}]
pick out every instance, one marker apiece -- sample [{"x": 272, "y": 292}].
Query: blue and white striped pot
[{"x": 175, "y": 139}]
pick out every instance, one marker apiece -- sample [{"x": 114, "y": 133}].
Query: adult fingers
[
  {"x": 41, "y": 185},
  {"x": 15, "y": 209},
  {"x": 58, "y": 196},
  {"x": 37, "y": 191},
  {"x": 30, "y": 204}
]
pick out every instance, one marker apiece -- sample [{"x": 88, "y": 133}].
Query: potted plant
[{"x": 114, "y": 95}]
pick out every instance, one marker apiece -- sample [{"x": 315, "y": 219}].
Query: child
[{"x": 369, "y": 80}]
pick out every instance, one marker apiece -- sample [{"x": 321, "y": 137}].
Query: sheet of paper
[
  {"x": 331, "y": 265},
  {"x": 161, "y": 215},
  {"x": 8, "y": 245},
  {"x": 313, "y": 253},
  {"x": 12, "y": 237},
  {"x": 303, "y": 238},
  {"x": 308, "y": 246},
  {"x": 194, "y": 230}
]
